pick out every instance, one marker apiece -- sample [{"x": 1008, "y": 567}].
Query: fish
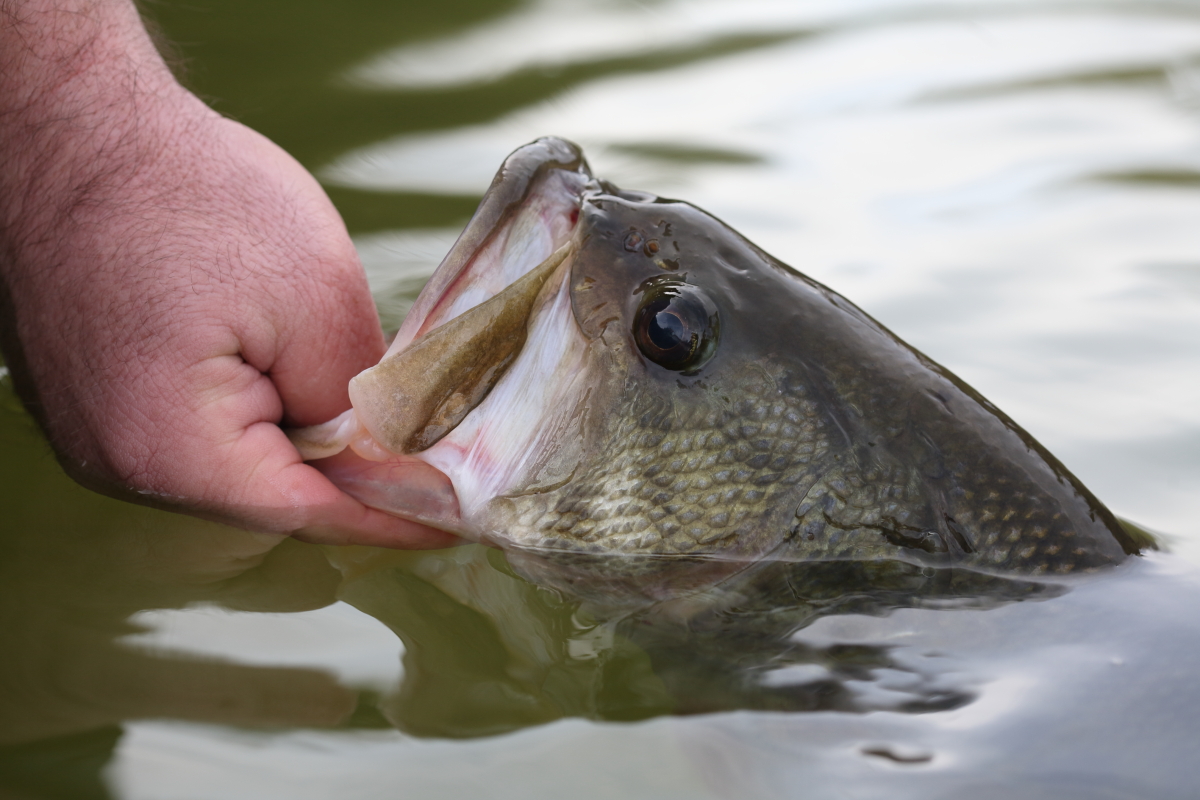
[{"x": 598, "y": 373}]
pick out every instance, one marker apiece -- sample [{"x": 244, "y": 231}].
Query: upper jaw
[{"x": 530, "y": 210}]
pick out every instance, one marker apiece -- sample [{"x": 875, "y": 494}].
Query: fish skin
[{"x": 812, "y": 434}]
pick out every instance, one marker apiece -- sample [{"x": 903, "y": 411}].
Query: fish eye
[{"x": 677, "y": 327}]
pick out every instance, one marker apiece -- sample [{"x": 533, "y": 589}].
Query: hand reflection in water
[{"x": 76, "y": 566}]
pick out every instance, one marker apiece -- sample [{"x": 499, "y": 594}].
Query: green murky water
[{"x": 1011, "y": 187}]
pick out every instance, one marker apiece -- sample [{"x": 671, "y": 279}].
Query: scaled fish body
[{"x": 598, "y": 371}]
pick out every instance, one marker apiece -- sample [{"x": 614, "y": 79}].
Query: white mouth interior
[
  {"x": 510, "y": 436},
  {"x": 516, "y": 437}
]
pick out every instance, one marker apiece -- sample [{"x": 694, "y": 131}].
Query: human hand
[{"x": 176, "y": 285}]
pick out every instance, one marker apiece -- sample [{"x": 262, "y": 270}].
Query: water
[{"x": 1011, "y": 187}]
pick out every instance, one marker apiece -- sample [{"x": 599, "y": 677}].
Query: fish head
[{"x": 606, "y": 373}]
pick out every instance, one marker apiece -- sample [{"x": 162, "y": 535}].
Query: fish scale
[
  {"x": 960, "y": 497},
  {"x": 691, "y": 480}
]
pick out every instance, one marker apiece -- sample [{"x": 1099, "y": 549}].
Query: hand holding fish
[
  {"x": 175, "y": 285},
  {"x": 587, "y": 372}
]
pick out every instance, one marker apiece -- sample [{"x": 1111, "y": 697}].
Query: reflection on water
[
  {"x": 1011, "y": 187},
  {"x": 966, "y": 681},
  {"x": 149, "y": 656}
]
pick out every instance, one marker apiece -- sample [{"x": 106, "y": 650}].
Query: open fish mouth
[
  {"x": 413, "y": 398},
  {"x": 470, "y": 321},
  {"x": 507, "y": 275}
]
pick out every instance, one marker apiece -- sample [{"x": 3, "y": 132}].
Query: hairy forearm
[
  {"x": 106, "y": 223},
  {"x": 80, "y": 81},
  {"x": 85, "y": 105},
  {"x": 51, "y": 50}
]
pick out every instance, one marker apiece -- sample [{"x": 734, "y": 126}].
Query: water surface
[{"x": 1012, "y": 187}]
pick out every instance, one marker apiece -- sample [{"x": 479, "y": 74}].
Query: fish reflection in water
[
  {"x": 1073, "y": 687},
  {"x": 724, "y": 648}
]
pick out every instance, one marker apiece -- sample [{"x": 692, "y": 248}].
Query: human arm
[{"x": 174, "y": 284}]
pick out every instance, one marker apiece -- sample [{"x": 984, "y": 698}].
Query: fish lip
[
  {"x": 417, "y": 393},
  {"x": 517, "y": 178}
]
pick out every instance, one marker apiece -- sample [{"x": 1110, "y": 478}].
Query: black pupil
[
  {"x": 667, "y": 330},
  {"x": 676, "y": 327}
]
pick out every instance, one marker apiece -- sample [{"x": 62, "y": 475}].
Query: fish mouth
[
  {"x": 413, "y": 398},
  {"x": 470, "y": 321}
]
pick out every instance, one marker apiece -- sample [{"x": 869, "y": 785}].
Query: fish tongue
[{"x": 414, "y": 397}]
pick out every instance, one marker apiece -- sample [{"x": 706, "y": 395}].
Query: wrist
[{"x": 83, "y": 93}]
